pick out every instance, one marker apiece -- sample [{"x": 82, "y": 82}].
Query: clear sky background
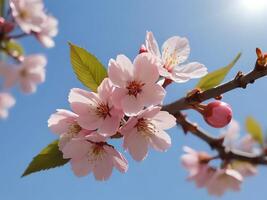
[{"x": 217, "y": 30}]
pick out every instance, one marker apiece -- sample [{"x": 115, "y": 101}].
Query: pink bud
[
  {"x": 218, "y": 114},
  {"x": 5, "y": 26},
  {"x": 142, "y": 49}
]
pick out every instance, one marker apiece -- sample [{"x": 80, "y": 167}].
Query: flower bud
[
  {"x": 217, "y": 114},
  {"x": 142, "y": 49},
  {"x": 5, "y": 26}
]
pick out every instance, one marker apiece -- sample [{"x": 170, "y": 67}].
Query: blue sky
[{"x": 217, "y": 31}]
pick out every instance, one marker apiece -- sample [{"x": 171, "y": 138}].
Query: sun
[{"x": 254, "y": 5}]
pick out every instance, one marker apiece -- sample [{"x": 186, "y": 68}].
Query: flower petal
[
  {"x": 164, "y": 120},
  {"x": 145, "y": 65},
  {"x": 136, "y": 144},
  {"x": 151, "y": 44},
  {"x": 120, "y": 71},
  {"x": 175, "y": 51}
]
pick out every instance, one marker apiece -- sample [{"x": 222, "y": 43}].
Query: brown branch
[
  {"x": 217, "y": 143},
  {"x": 240, "y": 81}
]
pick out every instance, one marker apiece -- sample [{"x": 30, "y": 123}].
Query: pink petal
[
  {"x": 105, "y": 89},
  {"x": 80, "y": 167},
  {"x": 160, "y": 140},
  {"x": 60, "y": 121},
  {"x": 90, "y": 121},
  {"x": 120, "y": 71},
  {"x": 76, "y": 148},
  {"x": 131, "y": 105},
  {"x": 103, "y": 168},
  {"x": 118, "y": 159},
  {"x": 152, "y": 94},
  {"x": 177, "y": 49},
  {"x": 146, "y": 64},
  {"x": 82, "y": 101},
  {"x": 27, "y": 86},
  {"x": 117, "y": 97},
  {"x": 189, "y": 71},
  {"x": 136, "y": 144},
  {"x": 164, "y": 120},
  {"x": 151, "y": 44},
  {"x": 109, "y": 126}
]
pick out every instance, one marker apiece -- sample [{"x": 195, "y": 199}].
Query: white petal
[{"x": 175, "y": 51}]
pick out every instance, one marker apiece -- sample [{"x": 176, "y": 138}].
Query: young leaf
[
  {"x": 87, "y": 67},
  {"x": 216, "y": 77},
  {"x": 49, "y": 157},
  {"x": 14, "y": 48},
  {"x": 2, "y": 7},
  {"x": 254, "y": 129}
]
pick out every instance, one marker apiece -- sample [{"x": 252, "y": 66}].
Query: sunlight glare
[{"x": 254, "y": 5}]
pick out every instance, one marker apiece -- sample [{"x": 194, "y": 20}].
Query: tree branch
[
  {"x": 217, "y": 143},
  {"x": 240, "y": 81}
]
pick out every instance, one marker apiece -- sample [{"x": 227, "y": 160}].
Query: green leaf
[
  {"x": 216, "y": 77},
  {"x": 49, "y": 157},
  {"x": 2, "y": 7},
  {"x": 254, "y": 129},
  {"x": 87, "y": 67},
  {"x": 13, "y": 48}
]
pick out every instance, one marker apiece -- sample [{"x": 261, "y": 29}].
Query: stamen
[
  {"x": 145, "y": 127},
  {"x": 102, "y": 110},
  {"x": 134, "y": 88}
]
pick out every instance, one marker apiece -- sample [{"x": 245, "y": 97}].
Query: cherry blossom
[
  {"x": 6, "y": 102},
  {"x": 99, "y": 158},
  {"x": 29, "y": 14},
  {"x": 48, "y": 31},
  {"x": 175, "y": 51},
  {"x": 147, "y": 129},
  {"x": 29, "y": 73},
  {"x": 135, "y": 83},
  {"x": 231, "y": 134},
  {"x": 64, "y": 123},
  {"x": 246, "y": 144},
  {"x": 223, "y": 180},
  {"x": 96, "y": 110},
  {"x": 193, "y": 161}
]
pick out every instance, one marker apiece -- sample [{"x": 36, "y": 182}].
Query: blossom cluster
[
  {"x": 127, "y": 105},
  {"x": 230, "y": 174},
  {"x": 24, "y": 18}
]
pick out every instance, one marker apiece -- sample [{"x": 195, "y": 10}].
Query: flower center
[
  {"x": 74, "y": 129},
  {"x": 96, "y": 153},
  {"x": 171, "y": 60},
  {"x": 23, "y": 72},
  {"x": 102, "y": 110},
  {"x": 134, "y": 88},
  {"x": 145, "y": 127},
  {"x": 24, "y": 14}
]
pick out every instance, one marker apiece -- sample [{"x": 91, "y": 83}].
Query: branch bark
[{"x": 240, "y": 81}]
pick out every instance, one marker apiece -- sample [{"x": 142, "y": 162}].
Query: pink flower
[
  {"x": 231, "y": 134},
  {"x": 223, "y": 180},
  {"x": 48, "y": 31},
  {"x": 244, "y": 168},
  {"x": 6, "y": 102},
  {"x": 175, "y": 51},
  {"x": 193, "y": 161},
  {"x": 96, "y": 111},
  {"x": 146, "y": 129},
  {"x": 28, "y": 74},
  {"x": 99, "y": 158},
  {"x": 29, "y": 14},
  {"x": 135, "y": 83},
  {"x": 64, "y": 123},
  {"x": 197, "y": 165},
  {"x": 246, "y": 144}
]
